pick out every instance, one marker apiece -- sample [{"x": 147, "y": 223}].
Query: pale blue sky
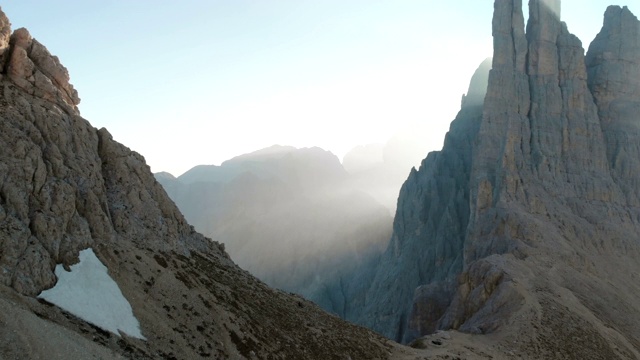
[{"x": 197, "y": 82}]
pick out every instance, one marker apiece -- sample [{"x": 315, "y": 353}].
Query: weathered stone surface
[
  {"x": 545, "y": 187},
  {"x": 429, "y": 230},
  {"x": 613, "y": 63},
  {"x": 32, "y": 68}
]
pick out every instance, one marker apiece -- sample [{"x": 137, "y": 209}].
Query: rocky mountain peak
[
  {"x": 543, "y": 29},
  {"x": 613, "y": 66},
  {"x": 31, "y": 67},
  {"x": 5, "y": 35},
  {"x": 533, "y": 199}
]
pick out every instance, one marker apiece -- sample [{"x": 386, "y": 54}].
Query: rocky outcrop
[
  {"x": 66, "y": 186},
  {"x": 529, "y": 209},
  {"x": 441, "y": 213},
  {"x": 613, "y": 65},
  {"x": 32, "y": 68}
]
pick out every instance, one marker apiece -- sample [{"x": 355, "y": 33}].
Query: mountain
[
  {"x": 519, "y": 239},
  {"x": 98, "y": 263},
  {"x": 525, "y": 225},
  {"x": 290, "y": 217}
]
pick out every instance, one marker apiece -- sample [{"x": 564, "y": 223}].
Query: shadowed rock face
[
  {"x": 613, "y": 65},
  {"x": 531, "y": 206},
  {"x": 66, "y": 186}
]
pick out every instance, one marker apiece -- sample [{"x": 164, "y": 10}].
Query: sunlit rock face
[{"x": 526, "y": 223}]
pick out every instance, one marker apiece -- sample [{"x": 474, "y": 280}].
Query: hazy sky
[{"x": 199, "y": 81}]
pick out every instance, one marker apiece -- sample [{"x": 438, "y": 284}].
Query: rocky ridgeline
[
  {"x": 31, "y": 67},
  {"x": 526, "y": 224},
  {"x": 66, "y": 186}
]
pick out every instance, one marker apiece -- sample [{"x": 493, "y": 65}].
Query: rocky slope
[
  {"x": 525, "y": 226},
  {"x": 66, "y": 186}
]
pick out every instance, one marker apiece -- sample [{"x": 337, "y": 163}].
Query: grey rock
[
  {"x": 613, "y": 65},
  {"x": 32, "y": 68},
  {"x": 530, "y": 207}
]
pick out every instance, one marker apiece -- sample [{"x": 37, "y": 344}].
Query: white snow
[{"x": 88, "y": 292}]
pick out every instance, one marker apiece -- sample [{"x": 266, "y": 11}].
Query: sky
[{"x": 200, "y": 81}]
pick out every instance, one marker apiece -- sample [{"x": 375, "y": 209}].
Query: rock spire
[{"x": 531, "y": 206}]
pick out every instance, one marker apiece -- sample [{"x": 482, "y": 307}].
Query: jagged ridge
[{"x": 530, "y": 211}]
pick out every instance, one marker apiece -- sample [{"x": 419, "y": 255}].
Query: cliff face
[
  {"x": 428, "y": 231},
  {"x": 613, "y": 65},
  {"x": 66, "y": 186},
  {"x": 527, "y": 220}
]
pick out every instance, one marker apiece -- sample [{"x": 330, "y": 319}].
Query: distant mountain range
[{"x": 289, "y": 216}]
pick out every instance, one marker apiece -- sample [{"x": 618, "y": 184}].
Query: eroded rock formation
[{"x": 529, "y": 213}]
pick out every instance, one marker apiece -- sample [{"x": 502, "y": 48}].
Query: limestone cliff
[
  {"x": 66, "y": 186},
  {"x": 526, "y": 224}
]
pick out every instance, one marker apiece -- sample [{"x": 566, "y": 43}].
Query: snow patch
[{"x": 88, "y": 292}]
